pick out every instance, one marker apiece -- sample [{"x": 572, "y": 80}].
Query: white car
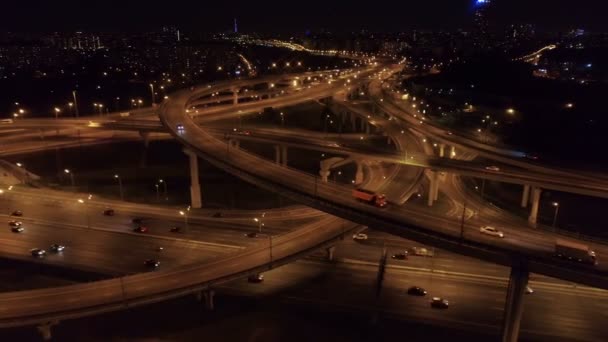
[
  {"x": 360, "y": 237},
  {"x": 493, "y": 168},
  {"x": 491, "y": 231}
]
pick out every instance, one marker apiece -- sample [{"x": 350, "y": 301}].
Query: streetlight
[
  {"x": 75, "y": 102},
  {"x": 556, "y": 205},
  {"x": 86, "y": 209},
  {"x": 67, "y": 171},
  {"x": 510, "y": 111},
  {"x": 162, "y": 181},
  {"x": 259, "y": 221},
  {"x": 122, "y": 197},
  {"x": 157, "y": 193},
  {"x": 152, "y": 92},
  {"x": 184, "y": 213},
  {"x": 57, "y": 111}
]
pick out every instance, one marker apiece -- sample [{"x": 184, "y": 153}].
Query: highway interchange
[{"x": 207, "y": 251}]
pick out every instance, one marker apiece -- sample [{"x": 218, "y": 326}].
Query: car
[
  {"x": 416, "y": 291},
  {"x": 489, "y": 230},
  {"x": 493, "y": 168},
  {"x": 38, "y": 253},
  {"x": 152, "y": 263},
  {"x": 528, "y": 290},
  {"x": 17, "y": 229},
  {"x": 57, "y": 248},
  {"x": 180, "y": 128},
  {"x": 17, "y": 213},
  {"x": 14, "y": 223},
  {"x": 255, "y": 278},
  {"x": 251, "y": 235},
  {"x": 421, "y": 251},
  {"x": 141, "y": 229},
  {"x": 360, "y": 237},
  {"x": 108, "y": 212},
  {"x": 532, "y": 156},
  {"x": 175, "y": 229},
  {"x": 400, "y": 255},
  {"x": 218, "y": 214},
  {"x": 137, "y": 220},
  {"x": 244, "y": 132},
  {"x": 439, "y": 303}
]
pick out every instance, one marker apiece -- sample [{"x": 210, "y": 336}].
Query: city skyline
[{"x": 278, "y": 17}]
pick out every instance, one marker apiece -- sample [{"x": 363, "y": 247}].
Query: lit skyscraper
[{"x": 480, "y": 19}]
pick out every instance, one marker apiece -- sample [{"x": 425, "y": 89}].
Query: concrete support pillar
[
  {"x": 353, "y": 122},
  {"x": 441, "y": 150},
  {"x": 359, "y": 174},
  {"x": 284, "y": 155},
  {"x": 452, "y": 152},
  {"x": 525, "y": 196},
  {"x": 433, "y": 188},
  {"x": 330, "y": 253},
  {"x": 367, "y": 128},
  {"x": 195, "y": 187},
  {"x": 146, "y": 137},
  {"x": 235, "y": 97},
  {"x": 533, "y": 218},
  {"x": 514, "y": 304},
  {"x": 343, "y": 117},
  {"x": 324, "y": 173},
  {"x": 388, "y": 140},
  {"x": 436, "y": 190},
  {"x": 209, "y": 302},
  {"x": 277, "y": 154},
  {"x": 45, "y": 330},
  {"x": 363, "y": 124},
  {"x": 234, "y": 143}
]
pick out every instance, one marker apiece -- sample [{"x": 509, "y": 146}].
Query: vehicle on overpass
[
  {"x": 489, "y": 230},
  {"x": 439, "y": 303},
  {"x": 38, "y": 253},
  {"x": 574, "y": 251},
  {"x": 416, "y": 291},
  {"x": 370, "y": 197},
  {"x": 421, "y": 251},
  {"x": 57, "y": 248},
  {"x": 400, "y": 255},
  {"x": 360, "y": 237},
  {"x": 255, "y": 278}
]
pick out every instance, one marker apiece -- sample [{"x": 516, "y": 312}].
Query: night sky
[{"x": 282, "y": 16}]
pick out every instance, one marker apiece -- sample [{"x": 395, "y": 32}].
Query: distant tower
[
  {"x": 480, "y": 19},
  {"x": 178, "y": 36},
  {"x": 236, "y": 28}
]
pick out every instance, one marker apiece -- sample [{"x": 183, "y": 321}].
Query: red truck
[{"x": 370, "y": 197}]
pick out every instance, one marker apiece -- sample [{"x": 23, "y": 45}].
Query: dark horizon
[{"x": 112, "y": 15}]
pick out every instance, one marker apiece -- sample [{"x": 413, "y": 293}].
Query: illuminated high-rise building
[{"x": 480, "y": 19}]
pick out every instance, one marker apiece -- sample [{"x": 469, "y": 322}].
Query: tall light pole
[
  {"x": 75, "y": 102},
  {"x": 556, "y": 205},
  {"x": 260, "y": 223},
  {"x": 57, "y": 111},
  {"x": 86, "y": 209},
  {"x": 157, "y": 193},
  {"x": 5, "y": 194},
  {"x": 152, "y": 93},
  {"x": 122, "y": 196},
  {"x": 162, "y": 181},
  {"x": 184, "y": 213},
  {"x": 67, "y": 171}
]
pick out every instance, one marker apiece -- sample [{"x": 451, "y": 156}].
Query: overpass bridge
[{"x": 528, "y": 252}]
